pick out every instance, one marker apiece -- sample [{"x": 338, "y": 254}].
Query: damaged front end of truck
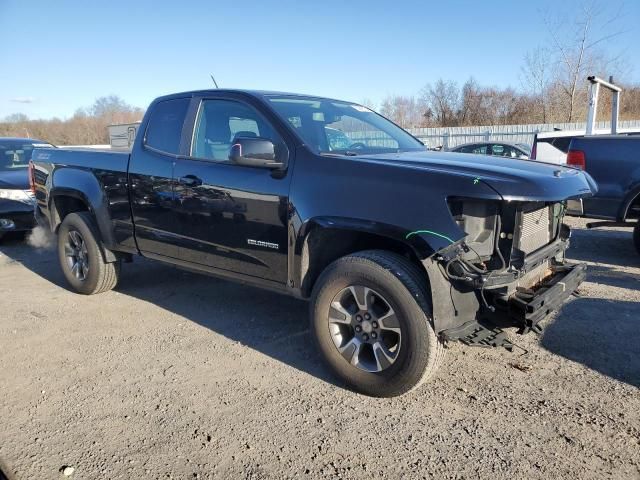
[
  {"x": 509, "y": 270},
  {"x": 488, "y": 232}
]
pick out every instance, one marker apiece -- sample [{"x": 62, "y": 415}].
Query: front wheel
[
  {"x": 636, "y": 236},
  {"x": 371, "y": 320},
  {"x": 80, "y": 257}
]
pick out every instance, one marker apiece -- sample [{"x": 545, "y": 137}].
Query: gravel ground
[{"x": 176, "y": 375}]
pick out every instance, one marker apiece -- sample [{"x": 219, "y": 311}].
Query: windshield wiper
[{"x": 349, "y": 153}]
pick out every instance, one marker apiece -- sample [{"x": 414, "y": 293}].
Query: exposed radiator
[{"x": 534, "y": 230}]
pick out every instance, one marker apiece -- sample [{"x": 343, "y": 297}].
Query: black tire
[
  {"x": 100, "y": 276},
  {"x": 636, "y": 236},
  {"x": 405, "y": 290}
]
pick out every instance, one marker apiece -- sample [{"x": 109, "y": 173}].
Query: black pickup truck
[{"x": 398, "y": 249}]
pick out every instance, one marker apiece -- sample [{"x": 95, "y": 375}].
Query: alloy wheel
[
  {"x": 364, "y": 328},
  {"x": 75, "y": 250}
]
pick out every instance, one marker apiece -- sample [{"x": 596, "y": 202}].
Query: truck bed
[{"x": 103, "y": 159}]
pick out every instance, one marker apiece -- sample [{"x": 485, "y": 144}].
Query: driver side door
[{"x": 228, "y": 216}]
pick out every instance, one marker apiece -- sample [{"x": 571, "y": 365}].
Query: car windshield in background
[
  {"x": 17, "y": 154},
  {"x": 333, "y": 127}
]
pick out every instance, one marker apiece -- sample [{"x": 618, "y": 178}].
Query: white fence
[{"x": 449, "y": 137}]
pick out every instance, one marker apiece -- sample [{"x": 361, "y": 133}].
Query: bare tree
[
  {"x": 537, "y": 78},
  {"x": 579, "y": 52},
  {"x": 405, "y": 111},
  {"x": 441, "y": 99},
  {"x": 367, "y": 102}
]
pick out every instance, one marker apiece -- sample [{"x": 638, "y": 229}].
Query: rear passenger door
[
  {"x": 228, "y": 216},
  {"x": 151, "y": 177}
]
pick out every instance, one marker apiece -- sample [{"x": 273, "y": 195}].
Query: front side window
[
  {"x": 164, "y": 129},
  {"x": 220, "y": 122},
  {"x": 499, "y": 150},
  {"x": 465, "y": 149},
  {"x": 506, "y": 151},
  {"x": 479, "y": 149},
  {"x": 334, "y": 127}
]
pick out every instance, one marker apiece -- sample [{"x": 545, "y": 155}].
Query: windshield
[
  {"x": 17, "y": 154},
  {"x": 333, "y": 127}
]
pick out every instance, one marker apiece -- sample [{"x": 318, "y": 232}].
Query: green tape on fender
[{"x": 410, "y": 234}]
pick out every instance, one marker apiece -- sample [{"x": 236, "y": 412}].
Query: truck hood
[
  {"x": 14, "y": 179},
  {"x": 512, "y": 179}
]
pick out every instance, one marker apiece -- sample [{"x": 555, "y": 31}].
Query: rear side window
[
  {"x": 164, "y": 129},
  {"x": 465, "y": 149},
  {"x": 561, "y": 143},
  {"x": 481, "y": 149}
]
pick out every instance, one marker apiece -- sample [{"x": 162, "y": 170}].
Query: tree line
[
  {"x": 446, "y": 104},
  {"x": 87, "y": 126}
]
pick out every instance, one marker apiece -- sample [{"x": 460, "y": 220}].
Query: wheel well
[
  {"x": 324, "y": 245},
  {"x": 633, "y": 211},
  {"x": 64, "y": 205}
]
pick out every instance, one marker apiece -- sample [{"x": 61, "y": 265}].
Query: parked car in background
[
  {"x": 552, "y": 147},
  {"x": 495, "y": 149},
  {"x": 614, "y": 163},
  {"x": 16, "y": 198},
  {"x": 397, "y": 249}
]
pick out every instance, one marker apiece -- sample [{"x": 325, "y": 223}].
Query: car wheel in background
[
  {"x": 371, "y": 320},
  {"x": 80, "y": 257}
]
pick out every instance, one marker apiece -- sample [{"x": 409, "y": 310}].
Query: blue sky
[{"x": 59, "y": 55}]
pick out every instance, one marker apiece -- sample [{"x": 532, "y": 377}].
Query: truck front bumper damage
[
  {"x": 527, "y": 310},
  {"x": 524, "y": 310}
]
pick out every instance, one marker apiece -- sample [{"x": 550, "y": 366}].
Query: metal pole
[
  {"x": 615, "y": 108},
  {"x": 594, "y": 89}
]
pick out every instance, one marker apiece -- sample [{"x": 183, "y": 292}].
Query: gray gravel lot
[{"x": 176, "y": 375}]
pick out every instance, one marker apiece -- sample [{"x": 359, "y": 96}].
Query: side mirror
[{"x": 254, "y": 152}]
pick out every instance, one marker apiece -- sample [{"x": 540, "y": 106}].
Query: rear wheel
[
  {"x": 80, "y": 257},
  {"x": 371, "y": 319},
  {"x": 636, "y": 236}
]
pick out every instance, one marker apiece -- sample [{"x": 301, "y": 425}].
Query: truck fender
[
  {"x": 632, "y": 194},
  {"x": 84, "y": 186},
  {"x": 321, "y": 240},
  {"x": 422, "y": 247},
  {"x": 450, "y": 307},
  {"x": 418, "y": 245}
]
